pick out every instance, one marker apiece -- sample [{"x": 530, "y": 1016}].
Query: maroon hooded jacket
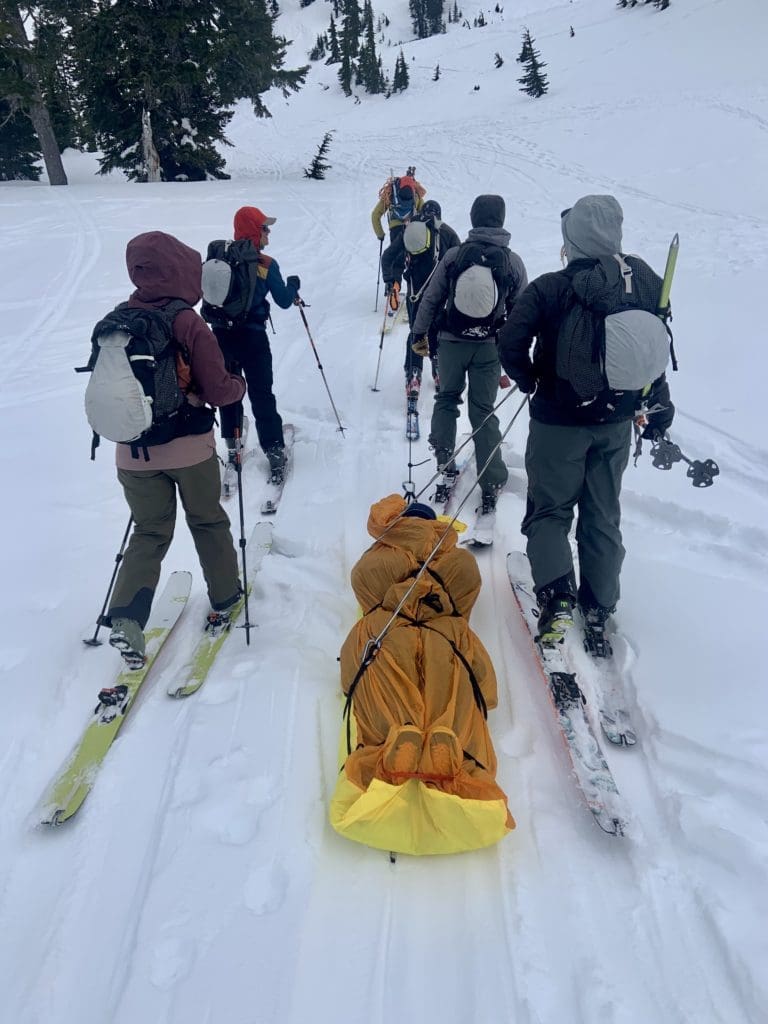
[{"x": 163, "y": 268}]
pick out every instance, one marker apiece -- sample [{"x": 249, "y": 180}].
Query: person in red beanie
[{"x": 246, "y": 346}]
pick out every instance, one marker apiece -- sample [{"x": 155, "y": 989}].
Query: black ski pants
[
  {"x": 393, "y": 257},
  {"x": 246, "y": 352}
]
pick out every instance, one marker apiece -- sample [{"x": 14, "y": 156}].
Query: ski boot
[
  {"x": 556, "y": 603},
  {"x": 127, "y": 637},
  {"x": 276, "y": 457},
  {"x": 595, "y": 641}
]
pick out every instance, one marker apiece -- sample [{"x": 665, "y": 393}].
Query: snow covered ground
[{"x": 201, "y": 882}]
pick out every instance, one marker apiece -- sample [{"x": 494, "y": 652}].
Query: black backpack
[
  {"x": 480, "y": 279},
  {"x": 229, "y": 281},
  {"x": 133, "y": 395},
  {"x": 612, "y": 343}
]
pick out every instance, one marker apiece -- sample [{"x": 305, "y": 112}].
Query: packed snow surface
[{"x": 201, "y": 882}]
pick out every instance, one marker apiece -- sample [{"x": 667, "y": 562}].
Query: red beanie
[{"x": 249, "y": 221}]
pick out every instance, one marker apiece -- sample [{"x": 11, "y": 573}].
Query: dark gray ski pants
[
  {"x": 571, "y": 467},
  {"x": 151, "y": 497},
  {"x": 473, "y": 363}
]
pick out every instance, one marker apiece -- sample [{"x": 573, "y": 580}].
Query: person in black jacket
[
  {"x": 246, "y": 345},
  {"x": 427, "y": 239},
  {"x": 576, "y": 452}
]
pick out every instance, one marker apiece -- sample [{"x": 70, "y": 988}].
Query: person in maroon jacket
[{"x": 163, "y": 269}]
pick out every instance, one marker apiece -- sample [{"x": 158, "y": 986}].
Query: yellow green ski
[
  {"x": 76, "y": 778},
  {"x": 209, "y": 646}
]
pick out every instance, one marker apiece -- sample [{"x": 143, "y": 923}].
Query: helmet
[{"x": 431, "y": 209}]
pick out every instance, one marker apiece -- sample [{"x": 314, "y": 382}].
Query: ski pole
[
  {"x": 378, "y": 275},
  {"x": 381, "y": 348},
  {"x": 243, "y": 543},
  {"x": 301, "y": 304},
  {"x": 665, "y": 453},
  {"x": 101, "y": 619}
]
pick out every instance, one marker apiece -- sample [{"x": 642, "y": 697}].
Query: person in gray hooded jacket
[
  {"x": 576, "y": 453},
  {"x": 473, "y": 361}
]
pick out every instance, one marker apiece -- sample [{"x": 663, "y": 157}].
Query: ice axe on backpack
[{"x": 665, "y": 453}]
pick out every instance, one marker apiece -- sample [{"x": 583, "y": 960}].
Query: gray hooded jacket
[{"x": 438, "y": 289}]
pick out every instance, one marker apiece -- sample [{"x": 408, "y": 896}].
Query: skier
[
  {"x": 467, "y": 343},
  {"x": 428, "y": 247},
  {"x": 421, "y": 774},
  {"x": 162, "y": 268},
  {"x": 400, "y": 198},
  {"x": 246, "y": 345},
  {"x": 576, "y": 452}
]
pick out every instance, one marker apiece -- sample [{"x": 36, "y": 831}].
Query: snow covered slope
[{"x": 201, "y": 882}]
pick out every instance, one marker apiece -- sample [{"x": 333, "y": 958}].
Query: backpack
[
  {"x": 229, "y": 281},
  {"x": 479, "y": 282},
  {"x": 399, "y": 206},
  {"x": 133, "y": 395},
  {"x": 611, "y": 344},
  {"x": 421, "y": 240}
]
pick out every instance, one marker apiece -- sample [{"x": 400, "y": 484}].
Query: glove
[
  {"x": 293, "y": 282},
  {"x": 658, "y": 423},
  {"x": 420, "y": 346},
  {"x": 380, "y": 237},
  {"x": 525, "y": 384}
]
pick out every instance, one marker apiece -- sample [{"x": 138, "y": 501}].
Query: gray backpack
[
  {"x": 611, "y": 344},
  {"x": 133, "y": 395}
]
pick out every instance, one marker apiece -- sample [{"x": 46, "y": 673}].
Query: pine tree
[
  {"x": 318, "y": 50},
  {"x": 22, "y": 72},
  {"x": 434, "y": 13},
  {"x": 171, "y": 89},
  {"x": 334, "y": 50},
  {"x": 400, "y": 79},
  {"x": 19, "y": 148},
  {"x": 368, "y": 64},
  {"x": 418, "y": 9},
  {"x": 534, "y": 81},
  {"x": 319, "y": 165},
  {"x": 350, "y": 45}
]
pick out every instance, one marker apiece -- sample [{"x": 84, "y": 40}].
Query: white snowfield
[{"x": 201, "y": 883}]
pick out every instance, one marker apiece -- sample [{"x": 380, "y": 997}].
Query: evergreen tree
[
  {"x": 368, "y": 63},
  {"x": 318, "y": 50},
  {"x": 525, "y": 49},
  {"x": 350, "y": 45},
  {"x": 163, "y": 80},
  {"x": 346, "y": 71},
  {"x": 22, "y": 73},
  {"x": 534, "y": 81},
  {"x": 434, "y": 13},
  {"x": 319, "y": 165},
  {"x": 19, "y": 148},
  {"x": 400, "y": 79},
  {"x": 334, "y": 50},
  {"x": 418, "y": 9}
]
